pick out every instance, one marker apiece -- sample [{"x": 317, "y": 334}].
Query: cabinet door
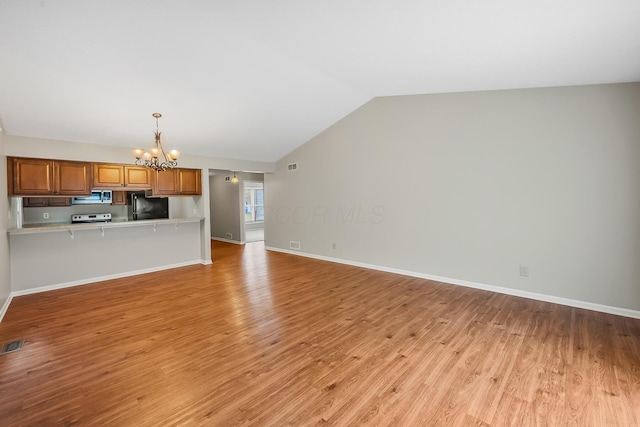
[
  {"x": 189, "y": 182},
  {"x": 59, "y": 201},
  {"x": 137, "y": 177},
  {"x": 43, "y": 202},
  {"x": 35, "y": 202},
  {"x": 165, "y": 183},
  {"x": 119, "y": 198},
  {"x": 107, "y": 176},
  {"x": 30, "y": 177},
  {"x": 72, "y": 178}
]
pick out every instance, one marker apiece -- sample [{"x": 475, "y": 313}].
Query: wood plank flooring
[{"x": 269, "y": 339}]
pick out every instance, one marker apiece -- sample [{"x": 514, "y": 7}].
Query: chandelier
[{"x": 151, "y": 158}]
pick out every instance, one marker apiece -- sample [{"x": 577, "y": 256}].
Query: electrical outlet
[
  {"x": 229, "y": 236},
  {"x": 195, "y": 211},
  {"x": 333, "y": 246},
  {"x": 45, "y": 215},
  {"x": 524, "y": 271}
]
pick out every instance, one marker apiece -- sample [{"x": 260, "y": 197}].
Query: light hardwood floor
[{"x": 269, "y": 339}]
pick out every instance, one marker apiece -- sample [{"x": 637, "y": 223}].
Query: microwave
[{"x": 97, "y": 197}]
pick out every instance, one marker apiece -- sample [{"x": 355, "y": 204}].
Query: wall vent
[
  {"x": 294, "y": 245},
  {"x": 292, "y": 167}
]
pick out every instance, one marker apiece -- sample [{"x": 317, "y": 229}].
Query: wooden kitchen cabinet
[
  {"x": 43, "y": 202},
  {"x": 177, "y": 182},
  {"x": 189, "y": 182},
  {"x": 72, "y": 178},
  {"x": 114, "y": 176},
  {"x": 108, "y": 176},
  {"x": 165, "y": 183},
  {"x": 119, "y": 198},
  {"x": 35, "y": 202},
  {"x": 58, "y": 201},
  {"x": 137, "y": 177},
  {"x": 30, "y": 176},
  {"x": 37, "y": 178},
  {"x": 44, "y": 177}
]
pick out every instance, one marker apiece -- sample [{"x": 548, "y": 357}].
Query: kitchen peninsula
[{"x": 48, "y": 252}]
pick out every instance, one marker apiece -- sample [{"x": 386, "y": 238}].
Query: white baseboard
[
  {"x": 101, "y": 278},
  {"x": 5, "y": 307},
  {"x": 499, "y": 289},
  {"x": 220, "y": 239}
]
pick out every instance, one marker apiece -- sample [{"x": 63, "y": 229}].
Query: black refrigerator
[{"x": 141, "y": 207}]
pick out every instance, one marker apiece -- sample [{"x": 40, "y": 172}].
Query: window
[{"x": 253, "y": 202}]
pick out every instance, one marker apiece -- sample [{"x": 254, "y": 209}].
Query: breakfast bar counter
[{"x": 99, "y": 226}]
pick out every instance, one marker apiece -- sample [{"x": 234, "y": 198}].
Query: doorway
[{"x": 253, "y": 211}]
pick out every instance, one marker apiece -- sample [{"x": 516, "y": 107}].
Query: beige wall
[
  {"x": 5, "y": 278},
  {"x": 470, "y": 186}
]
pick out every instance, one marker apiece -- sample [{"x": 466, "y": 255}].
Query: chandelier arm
[{"x": 164, "y": 154}]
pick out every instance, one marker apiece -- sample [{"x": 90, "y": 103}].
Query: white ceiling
[{"x": 254, "y": 79}]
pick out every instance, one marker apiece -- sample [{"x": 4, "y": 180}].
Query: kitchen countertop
[{"x": 69, "y": 227}]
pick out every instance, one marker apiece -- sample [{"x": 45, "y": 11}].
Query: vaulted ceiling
[{"x": 254, "y": 79}]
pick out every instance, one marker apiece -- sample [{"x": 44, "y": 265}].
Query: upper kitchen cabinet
[
  {"x": 165, "y": 183},
  {"x": 137, "y": 177},
  {"x": 45, "y": 177},
  {"x": 189, "y": 182},
  {"x": 177, "y": 182},
  {"x": 117, "y": 176},
  {"x": 72, "y": 178}
]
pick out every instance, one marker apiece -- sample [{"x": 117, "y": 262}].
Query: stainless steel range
[{"x": 103, "y": 217}]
